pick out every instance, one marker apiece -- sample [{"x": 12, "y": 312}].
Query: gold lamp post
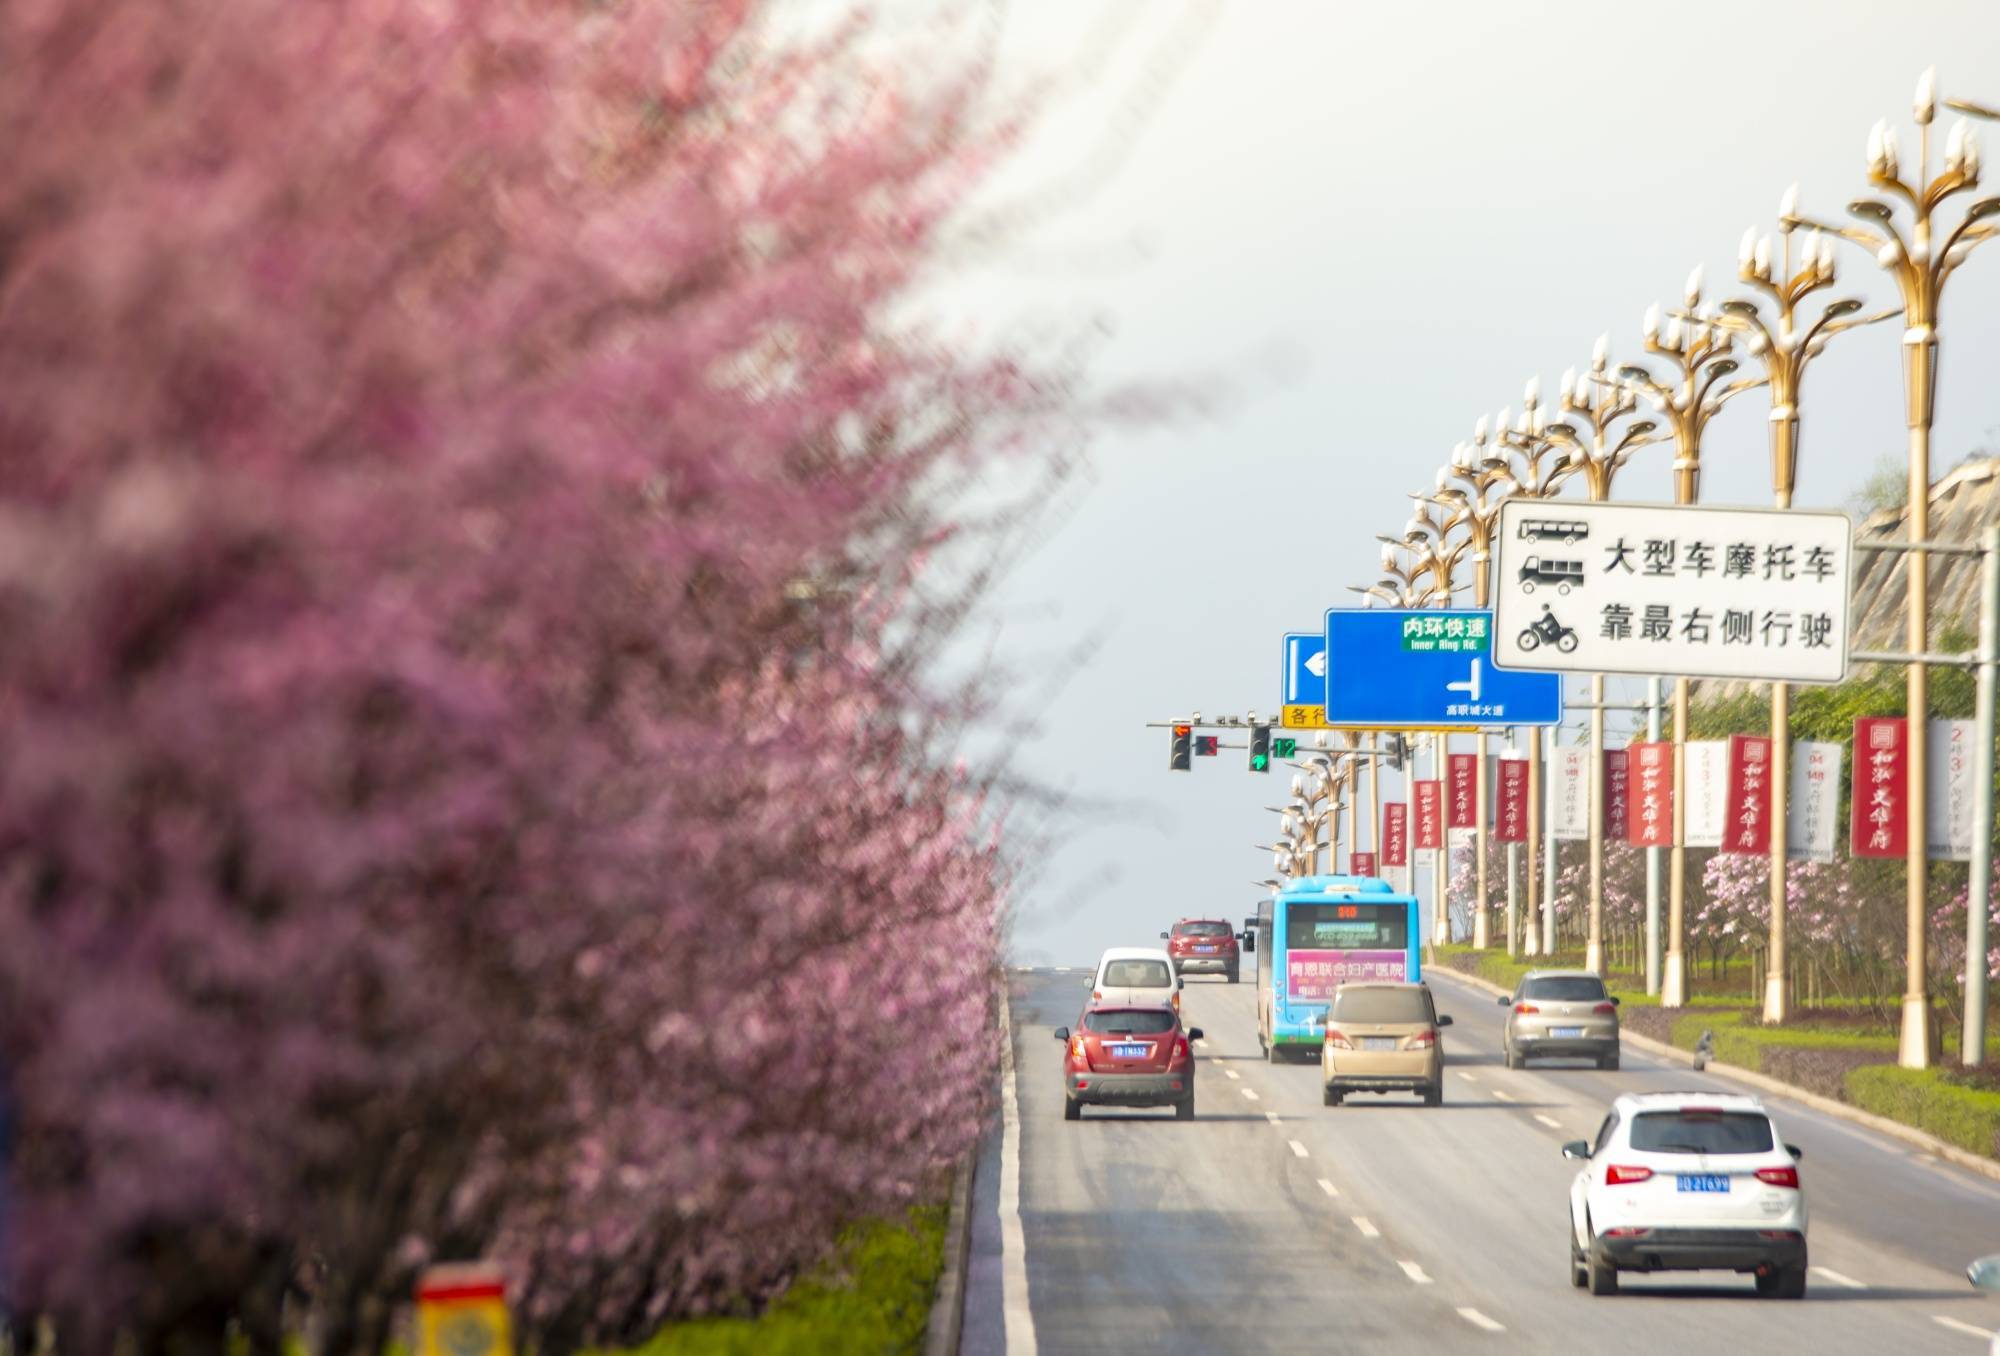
[
  {"x": 1598, "y": 436},
  {"x": 1784, "y": 349},
  {"x": 1919, "y": 251},
  {"x": 1698, "y": 357}
]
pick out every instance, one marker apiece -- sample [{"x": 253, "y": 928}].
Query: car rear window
[
  {"x": 1138, "y": 974},
  {"x": 1565, "y": 989},
  {"x": 1201, "y": 929},
  {"x": 1142, "y": 1023},
  {"x": 1381, "y": 1005},
  {"x": 1702, "y": 1132}
]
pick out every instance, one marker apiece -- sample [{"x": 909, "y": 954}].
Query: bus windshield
[{"x": 1347, "y": 927}]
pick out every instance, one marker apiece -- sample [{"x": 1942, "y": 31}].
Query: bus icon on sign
[
  {"x": 1563, "y": 574},
  {"x": 1552, "y": 529}
]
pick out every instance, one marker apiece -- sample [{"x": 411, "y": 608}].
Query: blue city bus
[{"x": 1317, "y": 933}]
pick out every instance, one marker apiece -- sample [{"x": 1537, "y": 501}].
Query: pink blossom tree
[{"x": 467, "y": 781}]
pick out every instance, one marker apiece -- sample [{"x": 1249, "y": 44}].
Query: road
[{"x": 1275, "y": 1224}]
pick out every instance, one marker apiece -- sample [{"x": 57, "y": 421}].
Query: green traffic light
[{"x": 1259, "y": 762}]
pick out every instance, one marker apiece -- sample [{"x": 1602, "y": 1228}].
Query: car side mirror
[
  {"x": 1577, "y": 1148},
  {"x": 1163, "y": 936},
  {"x": 1444, "y": 1020},
  {"x": 1062, "y": 1034},
  {"x": 1504, "y": 1001},
  {"x": 1614, "y": 1000},
  {"x": 1985, "y": 1273},
  {"x": 1194, "y": 1033},
  {"x": 1795, "y": 1151}
]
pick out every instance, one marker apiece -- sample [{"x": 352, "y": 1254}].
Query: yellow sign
[
  {"x": 462, "y": 1311},
  {"x": 1303, "y": 717}
]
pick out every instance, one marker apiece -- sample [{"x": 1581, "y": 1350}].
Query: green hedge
[
  {"x": 1967, "y": 1117},
  {"x": 873, "y": 1298}
]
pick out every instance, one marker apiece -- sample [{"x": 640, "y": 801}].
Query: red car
[
  {"x": 1135, "y": 1056},
  {"x": 1204, "y": 946}
]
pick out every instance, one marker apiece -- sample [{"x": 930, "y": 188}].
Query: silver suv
[{"x": 1561, "y": 1013}]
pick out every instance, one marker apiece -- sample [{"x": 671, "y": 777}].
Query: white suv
[{"x": 1687, "y": 1181}]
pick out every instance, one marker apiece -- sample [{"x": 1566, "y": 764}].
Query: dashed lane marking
[
  {"x": 1549, "y": 1121},
  {"x": 1414, "y": 1272},
  {"x": 1251, "y": 1093},
  {"x": 1367, "y": 1228},
  {"x": 1470, "y": 1078},
  {"x": 1505, "y": 1097},
  {"x": 1479, "y": 1320},
  {"x": 1271, "y": 1116},
  {"x": 1967, "y": 1328},
  {"x": 1298, "y": 1149},
  {"x": 1328, "y": 1187},
  {"x": 1232, "y": 1075},
  {"x": 1829, "y": 1274}
]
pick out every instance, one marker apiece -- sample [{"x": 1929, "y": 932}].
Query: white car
[
  {"x": 1135, "y": 977},
  {"x": 1688, "y": 1181},
  {"x": 1985, "y": 1275}
]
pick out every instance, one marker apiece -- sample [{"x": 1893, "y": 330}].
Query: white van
[{"x": 1135, "y": 976}]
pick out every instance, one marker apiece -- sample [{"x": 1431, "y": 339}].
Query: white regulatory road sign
[{"x": 1666, "y": 589}]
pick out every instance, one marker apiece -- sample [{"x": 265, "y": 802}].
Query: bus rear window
[{"x": 1347, "y": 927}]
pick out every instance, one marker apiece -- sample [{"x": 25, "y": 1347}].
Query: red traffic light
[
  {"x": 1183, "y": 731},
  {"x": 1206, "y": 745}
]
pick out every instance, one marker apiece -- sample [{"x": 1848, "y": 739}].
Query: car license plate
[
  {"x": 1206, "y": 950},
  {"x": 1704, "y": 1181},
  {"x": 1378, "y": 1042},
  {"x": 1566, "y": 1033},
  {"x": 1131, "y": 1051}
]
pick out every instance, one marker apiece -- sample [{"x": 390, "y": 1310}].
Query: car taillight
[
  {"x": 1076, "y": 1047},
  {"x": 1423, "y": 1040},
  {"x": 1177, "y": 1000},
  {"x": 1615, "y": 1175},
  {"x": 1181, "y": 1050},
  {"x": 1337, "y": 1040},
  {"x": 1526, "y": 1009},
  {"x": 1787, "y": 1176},
  {"x": 1605, "y": 1009},
  {"x": 1097, "y": 993},
  {"x": 1628, "y": 1231}
]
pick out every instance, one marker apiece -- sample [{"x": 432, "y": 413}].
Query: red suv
[
  {"x": 1133, "y": 1056},
  {"x": 1203, "y": 946}
]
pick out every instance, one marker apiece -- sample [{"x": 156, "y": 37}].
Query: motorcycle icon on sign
[{"x": 1547, "y": 631}]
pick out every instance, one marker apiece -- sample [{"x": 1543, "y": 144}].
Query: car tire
[
  {"x": 1787, "y": 1283},
  {"x": 1232, "y": 976},
  {"x": 1579, "y": 1272},
  {"x": 1603, "y": 1277},
  {"x": 1434, "y": 1094},
  {"x": 1512, "y": 1060},
  {"x": 1609, "y": 1061},
  {"x": 1184, "y": 1109},
  {"x": 1072, "y": 1109}
]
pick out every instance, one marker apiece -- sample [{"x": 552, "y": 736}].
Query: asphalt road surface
[{"x": 1272, "y": 1223}]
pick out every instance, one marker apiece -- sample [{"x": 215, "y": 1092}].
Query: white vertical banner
[
  {"x": 1948, "y": 832},
  {"x": 1812, "y": 812},
  {"x": 1569, "y": 809},
  {"x": 1708, "y": 791}
]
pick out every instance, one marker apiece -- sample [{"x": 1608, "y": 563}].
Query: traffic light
[
  {"x": 1260, "y": 748},
  {"x": 1284, "y": 748},
  {"x": 1179, "y": 759},
  {"x": 1205, "y": 746}
]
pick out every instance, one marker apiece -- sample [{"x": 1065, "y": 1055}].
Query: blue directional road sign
[
  {"x": 1427, "y": 669},
  {"x": 1304, "y": 703}
]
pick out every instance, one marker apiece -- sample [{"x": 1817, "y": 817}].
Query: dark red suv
[
  {"x": 1203, "y": 946},
  {"x": 1136, "y": 1056}
]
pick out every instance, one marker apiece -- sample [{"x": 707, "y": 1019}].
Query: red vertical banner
[
  {"x": 1360, "y": 863},
  {"x": 1430, "y": 815},
  {"x": 1395, "y": 833},
  {"x": 1650, "y": 795},
  {"x": 1511, "y": 825},
  {"x": 1617, "y": 794},
  {"x": 1881, "y": 775},
  {"x": 1746, "y": 822},
  {"x": 1464, "y": 807}
]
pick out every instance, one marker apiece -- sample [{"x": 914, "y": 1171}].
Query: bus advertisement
[{"x": 1320, "y": 932}]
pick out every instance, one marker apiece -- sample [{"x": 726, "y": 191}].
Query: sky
[{"x": 1356, "y": 229}]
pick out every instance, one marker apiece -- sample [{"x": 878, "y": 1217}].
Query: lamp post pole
[{"x": 1911, "y": 253}]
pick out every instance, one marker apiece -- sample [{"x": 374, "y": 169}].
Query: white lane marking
[
  {"x": 1271, "y": 1116},
  {"x": 1956, "y": 1326},
  {"x": 1251, "y": 1093},
  {"x": 1479, "y": 1320},
  {"x": 1368, "y": 1230},
  {"x": 1549, "y": 1121},
  {"x": 1203, "y": 1043},
  {"x": 1502, "y": 1096},
  {"x": 1298, "y": 1149},
  {"x": 1328, "y": 1187},
  {"x": 1829, "y": 1274},
  {"x": 1232, "y": 1075},
  {"x": 1414, "y": 1272},
  {"x": 1470, "y": 1078},
  {"x": 1017, "y": 1320}
]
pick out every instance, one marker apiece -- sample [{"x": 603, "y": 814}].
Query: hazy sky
[{"x": 1370, "y": 224}]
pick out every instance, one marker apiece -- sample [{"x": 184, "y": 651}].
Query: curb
[
  {"x": 1909, "y": 1134},
  {"x": 947, "y": 1318}
]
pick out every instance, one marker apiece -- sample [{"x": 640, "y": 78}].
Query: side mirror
[
  {"x": 1062, "y": 1034},
  {"x": 1614, "y": 1000},
  {"x": 1577, "y": 1148},
  {"x": 1194, "y": 1033},
  {"x": 1444, "y": 1019},
  {"x": 1163, "y": 936},
  {"x": 1795, "y": 1151},
  {"x": 1504, "y": 1001},
  {"x": 1249, "y": 941},
  {"x": 1985, "y": 1273}
]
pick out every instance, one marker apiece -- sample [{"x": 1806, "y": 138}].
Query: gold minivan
[{"x": 1382, "y": 1038}]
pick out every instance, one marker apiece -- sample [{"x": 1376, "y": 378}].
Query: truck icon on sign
[
  {"x": 1561, "y": 573},
  {"x": 1552, "y": 529}
]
